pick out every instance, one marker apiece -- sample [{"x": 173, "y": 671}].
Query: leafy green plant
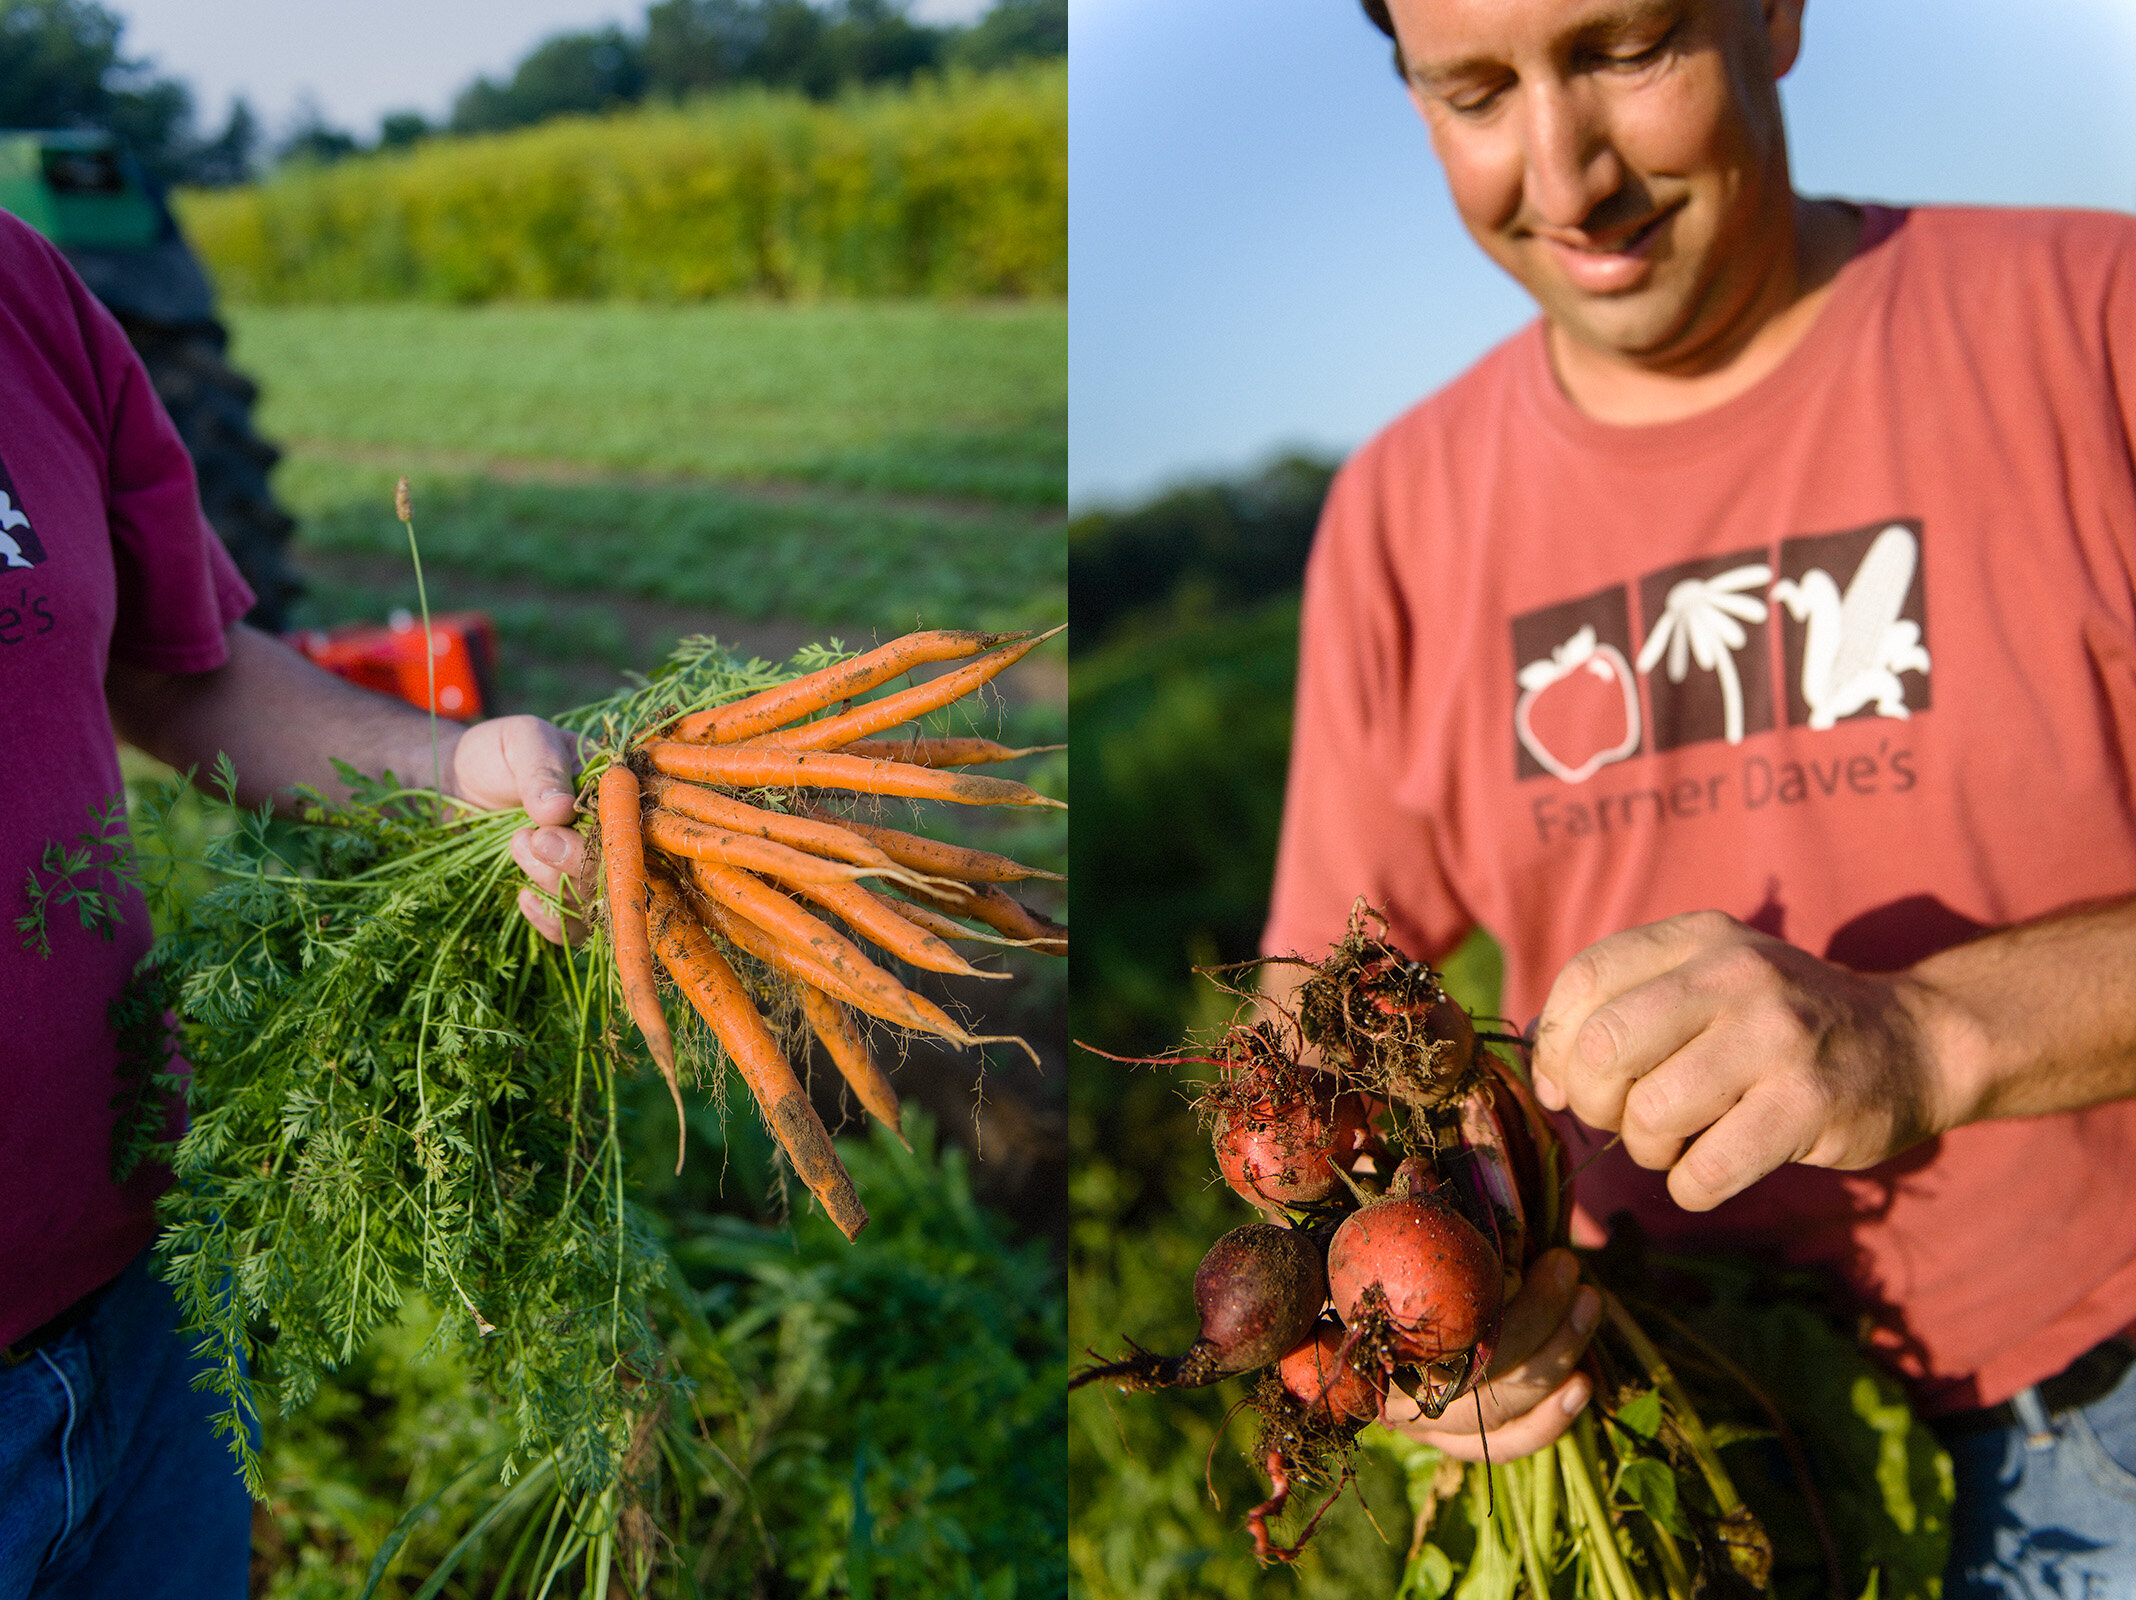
[
  {"x": 880, "y": 1416},
  {"x": 402, "y": 1086},
  {"x": 90, "y": 875}
]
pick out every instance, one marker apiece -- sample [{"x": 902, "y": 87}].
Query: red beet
[
  {"x": 1285, "y": 1154},
  {"x": 1417, "y": 1285},
  {"x": 1258, "y": 1290},
  {"x": 1321, "y": 1377}
]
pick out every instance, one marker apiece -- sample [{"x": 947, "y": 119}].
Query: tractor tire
[{"x": 211, "y": 403}]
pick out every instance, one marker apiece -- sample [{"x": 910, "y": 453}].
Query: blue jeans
[
  {"x": 2048, "y": 1508},
  {"x": 113, "y": 1483}
]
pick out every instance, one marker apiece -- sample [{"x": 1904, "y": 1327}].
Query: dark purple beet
[{"x": 1259, "y": 1291}]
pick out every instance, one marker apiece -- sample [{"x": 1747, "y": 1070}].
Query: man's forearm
[
  {"x": 2034, "y": 1018},
  {"x": 282, "y": 721}
]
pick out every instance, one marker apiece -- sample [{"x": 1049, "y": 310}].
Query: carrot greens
[{"x": 400, "y": 1087}]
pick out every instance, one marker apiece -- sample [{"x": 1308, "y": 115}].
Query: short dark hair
[{"x": 1377, "y": 11}]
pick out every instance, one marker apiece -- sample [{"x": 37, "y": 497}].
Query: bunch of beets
[{"x": 1409, "y": 1179}]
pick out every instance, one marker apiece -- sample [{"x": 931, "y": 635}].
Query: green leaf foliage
[
  {"x": 884, "y": 1411},
  {"x": 1807, "y": 1423},
  {"x": 400, "y": 1087}
]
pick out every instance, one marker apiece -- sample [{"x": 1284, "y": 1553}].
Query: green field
[
  {"x": 904, "y": 398},
  {"x": 605, "y": 478}
]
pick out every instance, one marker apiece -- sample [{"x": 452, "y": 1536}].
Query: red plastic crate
[{"x": 389, "y": 659}]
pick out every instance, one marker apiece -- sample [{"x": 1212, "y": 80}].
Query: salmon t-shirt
[
  {"x": 103, "y": 552},
  {"x": 1851, "y": 657}
]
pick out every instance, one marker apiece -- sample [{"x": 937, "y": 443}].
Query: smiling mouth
[
  {"x": 1620, "y": 266},
  {"x": 1629, "y": 244}
]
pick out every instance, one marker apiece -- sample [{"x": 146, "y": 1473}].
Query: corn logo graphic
[
  {"x": 1855, "y": 645},
  {"x": 1825, "y": 628}
]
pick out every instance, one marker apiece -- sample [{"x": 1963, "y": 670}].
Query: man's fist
[{"x": 1720, "y": 1053}]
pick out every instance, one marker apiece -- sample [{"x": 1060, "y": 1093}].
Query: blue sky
[{"x": 1262, "y": 253}]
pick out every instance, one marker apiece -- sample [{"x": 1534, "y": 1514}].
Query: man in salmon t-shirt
[
  {"x": 119, "y": 614},
  {"x": 1750, "y": 645}
]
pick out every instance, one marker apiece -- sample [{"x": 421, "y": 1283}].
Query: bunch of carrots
[{"x": 718, "y": 835}]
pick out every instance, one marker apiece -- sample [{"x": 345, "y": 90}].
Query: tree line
[{"x": 61, "y": 65}]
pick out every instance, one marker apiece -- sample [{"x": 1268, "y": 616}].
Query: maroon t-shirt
[
  {"x": 103, "y": 552},
  {"x": 1851, "y": 656}
]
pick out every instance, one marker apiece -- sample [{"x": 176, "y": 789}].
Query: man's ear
[{"x": 1783, "y": 34}]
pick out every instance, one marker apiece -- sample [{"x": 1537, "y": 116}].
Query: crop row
[
  {"x": 953, "y": 187},
  {"x": 851, "y": 563}
]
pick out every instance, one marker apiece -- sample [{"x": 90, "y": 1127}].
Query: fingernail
[
  {"x": 548, "y": 847},
  {"x": 1546, "y": 1090},
  {"x": 1575, "y": 1400},
  {"x": 1566, "y": 1273},
  {"x": 1586, "y": 1312}
]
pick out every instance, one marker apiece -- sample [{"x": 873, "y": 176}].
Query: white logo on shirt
[
  {"x": 1606, "y": 663},
  {"x": 1702, "y": 621},
  {"x": 1857, "y": 646},
  {"x": 10, "y": 518}
]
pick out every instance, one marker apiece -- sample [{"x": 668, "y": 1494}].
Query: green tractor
[{"x": 81, "y": 190}]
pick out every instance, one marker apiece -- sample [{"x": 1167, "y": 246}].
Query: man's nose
[{"x": 1570, "y": 166}]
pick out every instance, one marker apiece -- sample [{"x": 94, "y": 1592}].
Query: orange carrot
[
  {"x": 984, "y": 902},
  {"x": 850, "y": 1054},
  {"x": 903, "y": 706},
  {"x": 871, "y": 919},
  {"x": 887, "y": 999},
  {"x": 680, "y": 836},
  {"x": 623, "y": 865},
  {"x": 940, "y": 926},
  {"x": 796, "y": 963},
  {"x": 801, "y": 833},
  {"x": 933, "y": 752},
  {"x": 775, "y": 707},
  {"x": 942, "y": 860},
  {"x": 736, "y": 767},
  {"x": 809, "y": 935},
  {"x": 696, "y": 964}
]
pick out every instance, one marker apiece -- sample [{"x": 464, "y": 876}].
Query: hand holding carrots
[
  {"x": 730, "y": 867},
  {"x": 525, "y": 761}
]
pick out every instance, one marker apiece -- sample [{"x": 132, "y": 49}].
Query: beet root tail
[{"x": 1145, "y": 1370}]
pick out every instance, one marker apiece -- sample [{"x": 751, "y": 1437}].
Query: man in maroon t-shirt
[
  {"x": 119, "y": 619},
  {"x": 1754, "y": 422}
]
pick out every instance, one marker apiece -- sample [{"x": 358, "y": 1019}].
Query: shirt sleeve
[
  {"x": 1343, "y": 837},
  {"x": 178, "y": 589}
]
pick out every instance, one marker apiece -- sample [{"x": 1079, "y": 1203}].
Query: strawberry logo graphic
[{"x": 1578, "y": 710}]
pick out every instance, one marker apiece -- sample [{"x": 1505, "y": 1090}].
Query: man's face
[{"x": 1623, "y": 159}]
